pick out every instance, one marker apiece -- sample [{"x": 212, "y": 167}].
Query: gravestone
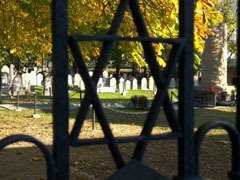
[
  {"x": 26, "y": 80},
  {"x": 5, "y": 69},
  {"x": 134, "y": 84},
  {"x": 128, "y": 85},
  {"x": 144, "y": 84},
  {"x": 77, "y": 79},
  {"x": 172, "y": 83},
  {"x": 151, "y": 83},
  {"x": 81, "y": 84},
  {"x": 121, "y": 85},
  {"x": 16, "y": 85},
  {"x": 5, "y": 78},
  {"x": 39, "y": 79},
  {"x": 32, "y": 78},
  {"x": 70, "y": 80},
  {"x": 90, "y": 73},
  {"x": 5, "y": 83},
  {"x": 113, "y": 82},
  {"x": 48, "y": 86},
  {"x": 11, "y": 72},
  {"x": 105, "y": 78}
]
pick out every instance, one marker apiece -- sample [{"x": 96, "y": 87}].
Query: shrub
[{"x": 139, "y": 102}]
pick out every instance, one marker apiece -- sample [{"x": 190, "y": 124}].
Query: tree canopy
[{"x": 25, "y": 31}]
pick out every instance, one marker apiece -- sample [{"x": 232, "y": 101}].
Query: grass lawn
[{"x": 21, "y": 160}]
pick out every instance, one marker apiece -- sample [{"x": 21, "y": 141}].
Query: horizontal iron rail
[
  {"x": 88, "y": 142},
  {"x": 119, "y": 38}
]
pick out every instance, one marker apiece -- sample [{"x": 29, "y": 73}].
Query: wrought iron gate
[{"x": 182, "y": 127}]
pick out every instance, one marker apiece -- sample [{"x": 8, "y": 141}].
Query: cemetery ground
[{"x": 24, "y": 161}]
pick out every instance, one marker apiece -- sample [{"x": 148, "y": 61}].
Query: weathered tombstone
[
  {"x": 70, "y": 80},
  {"x": 5, "y": 78},
  {"x": 5, "y": 83},
  {"x": 16, "y": 85},
  {"x": 90, "y": 73},
  {"x": 151, "y": 83},
  {"x": 105, "y": 78},
  {"x": 113, "y": 82},
  {"x": 48, "y": 86},
  {"x": 196, "y": 82},
  {"x": 172, "y": 83},
  {"x": 11, "y": 72},
  {"x": 144, "y": 84},
  {"x": 100, "y": 82},
  {"x": 77, "y": 79},
  {"x": 81, "y": 84},
  {"x": 125, "y": 76},
  {"x": 33, "y": 78},
  {"x": 134, "y": 84},
  {"x": 128, "y": 85},
  {"x": 39, "y": 79},
  {"x": 121, "y": 85},
  {"x": 5, "y": 69}
]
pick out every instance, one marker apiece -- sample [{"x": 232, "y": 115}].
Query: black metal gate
[{"x": 182, "y": 127}]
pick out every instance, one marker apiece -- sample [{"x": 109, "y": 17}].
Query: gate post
[
  {"x": 186, "y": 115},
  {"x": 60, "y": 87}
]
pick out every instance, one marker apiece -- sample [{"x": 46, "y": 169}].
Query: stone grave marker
[
  {"x": 77, "y": 79},
  {"x": 39, "y": 79},
  {"x": 144, "y": 84},
  {"x": 5, "y": 69},
  {"x": 151, "y": 83},
  {"x": 113, "y": 82},
  {"x": 172, "y": 83},
  {"x": 134, "y": 84},
  {"x": 16, "y": 85},
  {"x": 48, "y": 86},
  {"x": 70, "y": 80},
  {"x": 128, "y": 85},
  {"x": 121, "y": 85}
]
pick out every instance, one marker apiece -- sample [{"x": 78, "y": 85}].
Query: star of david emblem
[{"x": 161, "y": 78}]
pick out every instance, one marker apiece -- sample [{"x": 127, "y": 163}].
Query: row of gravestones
[
  {"x": 108, "y": 83},
  {"x": 13, "y": 83}
]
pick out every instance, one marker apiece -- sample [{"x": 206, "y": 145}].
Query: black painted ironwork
[{"x": 182, "y": 126}]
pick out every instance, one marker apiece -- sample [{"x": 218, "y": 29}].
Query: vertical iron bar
[
  {"x": 93, "y": 118},
  {"x": 238, "y": 70},
  {"x": 35, "y": 103},
  {"x": 60, "y": 87},
  {"x": 186, "y": 111},
  {"x": 17, "y": 100}
]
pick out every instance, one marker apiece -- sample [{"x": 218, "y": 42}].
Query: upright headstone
[
  {"x": 16, "y": 85},
  {"x": 48, "y": 85},
  {"x": 77, "y": 79},
  {"x": 5, "y": 78},
  {"x": 70, "y": 80},
  {"x": 151, "y": 83},
  {"x": 33, "y": 78},
  {"x": 39, "y": 79},
  {"x": 90, "y": 73},
  {"x": 144, "y": 84},
  {"x": 5, "y": 69},
  {"x": 11, "y": 72},
  {"x": 105, "y": 78},
  {"x": 134, "y": 84},
  {"x": 121, "y": 85},
  {"x": 128, "y": 85},
  {"x": 113, "y": 82},
  {"x": 81, "y": 84},
  {"x": 172, "y": 83}
]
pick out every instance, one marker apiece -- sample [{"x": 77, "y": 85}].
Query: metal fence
[{"x": 182, "y": 125}]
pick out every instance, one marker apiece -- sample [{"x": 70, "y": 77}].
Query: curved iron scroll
[
  {"x": 51, "y": 169},
  {"x": 234, "y": 138}
]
